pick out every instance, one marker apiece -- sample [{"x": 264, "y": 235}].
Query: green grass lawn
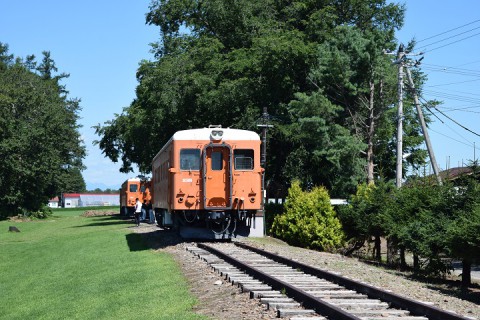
[{"x": 73, "y": 267}]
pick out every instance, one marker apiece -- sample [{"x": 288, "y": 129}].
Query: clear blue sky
[
  {"x": 100, "y": 44},
  {"x": 453, "y": 71}
]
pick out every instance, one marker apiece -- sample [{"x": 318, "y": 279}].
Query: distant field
[
  {"x": 79, "y": 211},
  {"x": 73, "y": 267}
]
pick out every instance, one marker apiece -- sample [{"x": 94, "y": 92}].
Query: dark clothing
[{"x": 137, "y": 218}]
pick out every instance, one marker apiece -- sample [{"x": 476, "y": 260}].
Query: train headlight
[{"x": 216, "y": 135}]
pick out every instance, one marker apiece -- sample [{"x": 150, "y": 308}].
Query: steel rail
[
  {"x": 397, "y": 301},
  {"x": 308, "y": 300}
]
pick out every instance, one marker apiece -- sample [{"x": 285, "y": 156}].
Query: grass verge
[{"x": 73, "y": 267}]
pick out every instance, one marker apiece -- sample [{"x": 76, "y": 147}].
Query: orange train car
[
  {"x": 208, "y": 182},
  {"x": 131, "y": 189}
]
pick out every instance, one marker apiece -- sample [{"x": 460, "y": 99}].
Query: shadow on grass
[
  {"x": 153, "y": 240},
  {"x": 103, "y": 224},
  {"x": 102, "y": 221},
  {"x": 161, "y": 239},
  {"x": 157, "y": 238},
  {"x": 447, "y": 287},
  {"x": 136, "y": 242},
  {"x": 108, "y": 218},
  {"x": 471, "y": 294},
  {"x": 451, "y": 288}
]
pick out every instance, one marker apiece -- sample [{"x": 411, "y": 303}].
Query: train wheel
[
  {"x": 176, "y": 223},
  {"x": 159, "y": 217},
  {"x": 222, "y": 225},
  {"x": 189, "y": 216}
]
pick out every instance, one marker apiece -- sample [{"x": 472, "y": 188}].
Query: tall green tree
[
  {"x": 223, "y": 62},
  {"x": 323, "y": 150},
  {"x": 418, "y": 216},
  {"x": 39, "y": 138},
  {"x": 366, "y": 216}
]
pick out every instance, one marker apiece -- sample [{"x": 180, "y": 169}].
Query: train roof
[
  {"x": 205, "y": 133},
  {"x": 137, "y": 179}
]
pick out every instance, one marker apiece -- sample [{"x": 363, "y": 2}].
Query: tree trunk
[
  {"x": 371, "y": 133},
  {"x": 466, "y": 273},
  {"x": 391, "y": 252},
  {"x": 416, "y": 262},
  {"x": 378, "y": 253},
  {"x": 403, "y": 262},
  {"x": 358, "y": 245}
]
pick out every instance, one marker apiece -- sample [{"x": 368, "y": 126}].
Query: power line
[
  {"x": 446, "y": 109},
  {"x": 456, "y": 110},
  {"x": 445, "y": 32},
  {"x": 463, "y": 92},
  {"x": 461, "y": 142},
  {"x": 454, "y": 121},
  {"x": 448, "y": 84},
  {"x": 450, "y": 70},
  {"x": 457, "y": 123},
  {"x": 454, "y": 36},
  {"x": 448, "y": 44},
  {"x": 432, "y": 113},
  {"x": 467, "y": 63},
  {"x": 456, "y": 68},
  {"x": 461, "y": 108},
  {"x": 452, "y": 96}
]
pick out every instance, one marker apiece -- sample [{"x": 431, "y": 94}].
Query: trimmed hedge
[{"x": 309, "y": 220}]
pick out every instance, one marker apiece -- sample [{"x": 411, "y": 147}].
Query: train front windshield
[
  {"x": 190, "y": 159},
  {"x": 243, "y": 159}
]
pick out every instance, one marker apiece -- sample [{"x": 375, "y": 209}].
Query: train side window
[
  {"x": 190, "y": 159},
  {"x": 217, "y": 160},
  {"x": 133, "y": 188},
  {"x": 243, "y": 159}
]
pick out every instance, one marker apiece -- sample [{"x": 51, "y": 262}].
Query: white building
[{"x": 74, "y": 200}]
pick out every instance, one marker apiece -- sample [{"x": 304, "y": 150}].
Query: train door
[{"x": 217, "y": 180}]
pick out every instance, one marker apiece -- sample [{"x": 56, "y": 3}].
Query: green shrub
[
  {"x": 271, "y": 211},
  {"x": 309, "y": 220},
  {"x": 43, "y": 213}
]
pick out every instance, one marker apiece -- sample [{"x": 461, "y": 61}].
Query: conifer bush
[{"x": 309, "y": 220}]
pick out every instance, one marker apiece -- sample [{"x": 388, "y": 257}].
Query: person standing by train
[
  {"x": 144, "y": 210},
  {"x": 138, "y": 211},
  {"x": 151, "y": 216}
]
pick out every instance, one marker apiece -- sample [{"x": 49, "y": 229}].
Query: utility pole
[
  {"x": 263, "y": 159},
  {"x": 399, "y": 61},
  {"x": 264, "y": 125},
  {"x": 424, "y": 128}
]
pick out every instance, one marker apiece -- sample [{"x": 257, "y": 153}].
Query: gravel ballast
[{"x": 218, "y": 299}]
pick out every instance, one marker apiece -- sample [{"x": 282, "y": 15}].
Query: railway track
[{"x": 299, "y": 291}]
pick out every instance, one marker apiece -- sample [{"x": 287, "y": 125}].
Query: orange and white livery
[
  {"x": 210, "y": 178},
  {"x": 131, "y": 189}
]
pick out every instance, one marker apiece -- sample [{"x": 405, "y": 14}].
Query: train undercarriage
[{"x": 213, "y": 225}]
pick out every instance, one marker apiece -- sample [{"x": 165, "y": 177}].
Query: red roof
[
  {"x": 454, "y": 173},
  {"x": 77, "y": 195},
  {"x": 71, "y": 195},
  {"x": 54, "y": 199}
]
